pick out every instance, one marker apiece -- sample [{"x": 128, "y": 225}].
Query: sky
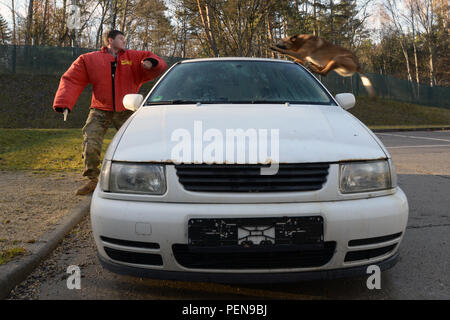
[{"x": 20, "y": 6}]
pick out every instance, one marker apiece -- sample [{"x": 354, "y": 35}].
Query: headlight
[
  {"x": 104, "y": 175},
  {"x": 365, "y": 176},
  {"x": 136, "y": 178}
]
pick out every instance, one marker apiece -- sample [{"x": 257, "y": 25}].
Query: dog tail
[{"x": 368, "y": 85}]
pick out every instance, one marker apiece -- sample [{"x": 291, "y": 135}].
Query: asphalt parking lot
[{"x": 422, "y": 160}]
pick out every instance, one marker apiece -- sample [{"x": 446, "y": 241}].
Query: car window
[{"x": 239, "y": 81}]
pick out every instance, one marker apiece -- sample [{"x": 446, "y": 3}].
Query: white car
[{"x": 246, "y": 170}]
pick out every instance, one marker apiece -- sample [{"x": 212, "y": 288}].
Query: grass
[
  {"x": 43, "y": 149},
  {"x": 383, "y": 113},
  {"x": 8, "y": 254},
  {"x": 60, "y": 149}
]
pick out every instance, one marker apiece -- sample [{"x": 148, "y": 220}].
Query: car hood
[{"x": 307, "y": 133}]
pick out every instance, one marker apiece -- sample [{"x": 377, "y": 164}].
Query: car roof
[{"x": 235, "y": 59}]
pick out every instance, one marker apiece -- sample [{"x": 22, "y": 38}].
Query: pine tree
[{"x": 5, "y": 33}]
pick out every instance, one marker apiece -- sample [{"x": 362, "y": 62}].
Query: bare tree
[
  {"x": 206, "y": 21},
  {"x": 14, "y": 21},
  {"x": 113, "y": 13},
  {"x": 98, "y": 39},
  {"x": 44, "y": 22},
  {"x": 426, "y": 13},
  {"x": 29, "y": 22},
  {"x": 124, "y": 18},
  {"x": 64, "y": 31},
  {"x": 395, "y": 18},
  {"x": 411, "y": 18}
]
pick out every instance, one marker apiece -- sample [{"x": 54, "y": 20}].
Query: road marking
[
  {"x": 412, "y": 137},
  {"x": 422, "y": 146}
]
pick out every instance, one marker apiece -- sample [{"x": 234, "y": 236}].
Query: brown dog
[{"x": 322, "y": 57}]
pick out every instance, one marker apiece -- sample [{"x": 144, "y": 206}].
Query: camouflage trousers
[{"x": 94, "y": 131}]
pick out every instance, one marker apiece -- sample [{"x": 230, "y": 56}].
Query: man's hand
[
  {"x": 147, "y": 64},
  {"x": 64, "y": 111},
  {"x": 61, "y": 110}
]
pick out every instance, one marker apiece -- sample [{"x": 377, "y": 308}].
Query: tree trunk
[
  {"x": 213, "y": 37},
  {"x": 333, "y": 40},
  {"x": 416, "y": 63},
  {"x": 239, "y": 28},
  {"x": 269, "y": 35},
  {"x": 63, "y": 27},
  {"x": 14, "y": 22},
  {"x": 425, "y": 13},
  {"x": 44, "y": 22},
  {"x": 408, "y": 68},
  {"x": 145, "y": 42},
  {"x": 184, "y": 34},
  {"x": 122, "y": 27},
  {"x": 98, "y": 39},
  {"x": 207, "y": 27},
  {"x": 406, "y": 56},
  {"x": 113, "y": 13},
  {"x": 430, "y": 53},
  {"x": 315, "y": 18},
  {"x": 29, "y": 22}
]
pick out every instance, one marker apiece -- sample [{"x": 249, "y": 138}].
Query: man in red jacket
[{"x": 113, "y": 72}]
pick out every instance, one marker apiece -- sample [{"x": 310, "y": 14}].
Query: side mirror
[
  {"x": 346, "y": 100},
  {"x": 132, "y": 101}
]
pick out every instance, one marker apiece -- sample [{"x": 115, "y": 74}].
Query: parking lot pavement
[
  {"x": 419, "y": 152},
  {"x": 422, "y": 160}
]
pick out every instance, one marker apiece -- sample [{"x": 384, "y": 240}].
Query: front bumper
[
  {"x": 166, "y": 224},
  {"x": 246, "y": 278}
]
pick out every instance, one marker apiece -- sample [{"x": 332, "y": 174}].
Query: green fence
[
  {"x": 41, "y": 60},
  {"x": 389, "y": 88}
]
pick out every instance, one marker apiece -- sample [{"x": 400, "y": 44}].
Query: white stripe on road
[
  {"x": 422, "y": 146},
  {"x": 412, "y": 137}
]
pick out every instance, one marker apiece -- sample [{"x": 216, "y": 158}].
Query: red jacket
[{"x": 95, "y": 68}]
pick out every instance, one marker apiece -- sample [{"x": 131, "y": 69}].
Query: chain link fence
[{"x": 42, "y": 60}]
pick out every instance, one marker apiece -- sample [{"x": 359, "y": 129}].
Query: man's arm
[
  {"x": 72, "y": 83},
  {"x": 158, "y": 66}
]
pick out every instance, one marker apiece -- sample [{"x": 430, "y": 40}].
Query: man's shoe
[{"x": 87, "y": 188}]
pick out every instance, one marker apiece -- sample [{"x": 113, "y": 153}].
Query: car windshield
[{"x": 238, "y": 81}]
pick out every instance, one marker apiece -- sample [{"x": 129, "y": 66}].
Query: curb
[
  {"x": 411, "y": 129},
  {"x": 14, "y": 272}
]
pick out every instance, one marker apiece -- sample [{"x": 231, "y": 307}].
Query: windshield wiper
[
  {"x": 278, "y": 102},
  {"x": 180, "y": 101},
  {"x": 258, "y": 102}
]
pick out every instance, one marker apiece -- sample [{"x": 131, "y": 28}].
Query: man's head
[{"x": 114, "y": 39}]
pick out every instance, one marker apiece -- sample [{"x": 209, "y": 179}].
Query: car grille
[
  {"x": 248, "y": 178},
  {"x": 127, "y": 243},
  {"x": 362, "y": 242},
  {"x": 134, "y": 257},
  {"x": 287, "y": 257}
]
